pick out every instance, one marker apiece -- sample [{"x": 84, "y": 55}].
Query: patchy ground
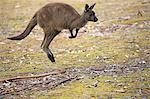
[
  {"x": 92, "y": 76},
  {"x": 109, "y": 59}
]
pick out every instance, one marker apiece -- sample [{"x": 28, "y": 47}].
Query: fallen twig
[
  {"x": 139, "y": 13},
  {"x": 28, "y": 77},
  {"x": 63, "y": 81}
]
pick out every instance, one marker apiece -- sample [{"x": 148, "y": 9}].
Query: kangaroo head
[{"x": 89, "y": 13}]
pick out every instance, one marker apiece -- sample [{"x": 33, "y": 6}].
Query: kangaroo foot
[
  {"x": 72, "y": 37},
  {"x": 51, "y": 57}
]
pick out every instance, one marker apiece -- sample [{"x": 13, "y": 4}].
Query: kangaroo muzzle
[{"x": 95, "y": 19}]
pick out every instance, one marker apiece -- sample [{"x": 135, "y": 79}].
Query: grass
[
  {"x": 21, "y": 57},
  {"x": 132, "y": 21},
  {"x": 68, "y": 54},
  {"x": 108, "y": 87}
]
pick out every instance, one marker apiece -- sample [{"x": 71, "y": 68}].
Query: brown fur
[{"x": 55, "y": 17}]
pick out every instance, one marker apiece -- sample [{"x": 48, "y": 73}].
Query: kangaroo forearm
[
  {"x": 77, "y": 30},
  {"x": 72, "y": 35}
]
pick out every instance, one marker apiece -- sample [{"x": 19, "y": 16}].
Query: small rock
[
  {"x": 124, "y": 18},
  {"x": 19, "y": 43},
  {"x": 137, "y": 50},
  {"x": 121, "y": 84},
  {"x": 45, "y": 78},
  {"x": 95, "y": 83},
  {"x": 105, "y": 58},
  {"x": 106, "y": 81},
  {"x": 87, "y": 55},
  {"x": 143, "y": 62},
  {"x": 2, "y": 43},
  {"x": 17, "y": 6},
  {"x": 125, "y": 87},
  {"x": 81, "y": 60},
  {"x": 120, "y": 91},
  {"x": 126, "y": 56},
  {"x": 7, "y": 84},
  {"x": 31, "y": 50}
]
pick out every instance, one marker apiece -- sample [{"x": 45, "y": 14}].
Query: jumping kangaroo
[{"x": 53, "y": 18}]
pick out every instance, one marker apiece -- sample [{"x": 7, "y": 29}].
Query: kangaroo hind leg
[{"x": 46, "y": 42}]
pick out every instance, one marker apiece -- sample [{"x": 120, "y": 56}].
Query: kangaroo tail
[{"x": 31, "y": 25}]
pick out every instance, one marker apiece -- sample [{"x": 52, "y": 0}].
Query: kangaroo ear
[
  {"x": 92, "y": 6},
  {"x": 86, "y": 7}
]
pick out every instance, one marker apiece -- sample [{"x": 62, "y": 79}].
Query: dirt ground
[{"x": 109, "y": 59}]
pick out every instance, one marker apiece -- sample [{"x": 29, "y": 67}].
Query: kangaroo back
[
  {"x": 57, "y": 16},
  {"x": 31, "y": 25}
]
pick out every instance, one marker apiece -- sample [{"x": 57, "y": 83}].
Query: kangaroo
[{"x": 53, "y": 18}]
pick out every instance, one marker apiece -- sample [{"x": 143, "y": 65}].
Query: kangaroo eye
[{"x": 91, "y": 14}]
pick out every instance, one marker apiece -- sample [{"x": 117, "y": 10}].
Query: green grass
[
  {"x": 21, "y": 57},
  {"x": 131, "y": 21},
  {"x": 107, "y": 87}
]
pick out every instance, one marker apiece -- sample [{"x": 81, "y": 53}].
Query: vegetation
[{"x": 121, "y": 37}]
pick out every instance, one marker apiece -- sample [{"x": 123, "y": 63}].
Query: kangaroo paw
[
  {"x": 72, "y": 37},
  {"x": 51, "y": 57}
]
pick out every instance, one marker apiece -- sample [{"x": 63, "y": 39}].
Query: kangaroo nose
[{"x": 95, "y": 19}]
